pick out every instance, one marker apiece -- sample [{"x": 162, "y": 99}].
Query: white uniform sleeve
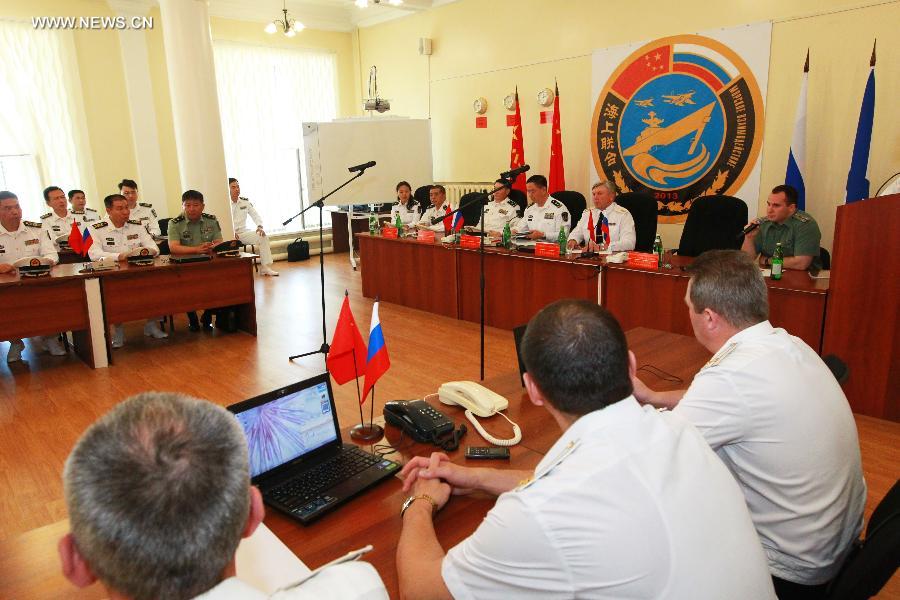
[
  {"x": 356, "y": 580},
  {"x": 147, "y": 242},
  {"x": 560, "y": 222},
  {"x": 521, "y": 224},
  {"x": 580, "y": 234},
  {"x": 96, "y": 251},
  {"x": 509, "y": 556},
  {"x": 48, "y": 248},
  {"x": 627, "y": 237},
  {"x": 152, "y": 223},
  {"x": 425, "y": 219},
  {"x": 715, "y": 407},
  {"x": 254, "y": 216}
]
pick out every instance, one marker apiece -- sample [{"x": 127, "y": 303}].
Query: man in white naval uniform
[
  {"x": 159, "y": 497},
  {"x": 58, "y": 222},
  {"x": 778, "y": 419},
  {"x": 543, "y": 219},
  {"x": 628, "y": 503},
  {"x": 500, "y": 211},
  {"x": 114, "y": 239},
  {"x": 20, "y": 239},
  {"x": 606, "y": 216},
  {"x": 83, "y": 214},
  {"x": 439, "y": 207},
  {"x": 139, "y": 211},
  {"x": 241, "y": 208}
]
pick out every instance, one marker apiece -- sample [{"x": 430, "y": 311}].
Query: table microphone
[
  {"x": 513, "y": 173},
  {"x": 362, "y": 167},
  {"x": 750, "y": 227}
]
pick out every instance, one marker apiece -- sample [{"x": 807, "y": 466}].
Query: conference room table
[
  {"x": 74, "y": 298},
  {"x": 29, "y": 566},
  {"x": 445, "y": 279}
]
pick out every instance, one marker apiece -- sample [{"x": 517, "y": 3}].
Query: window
[{"x": 265, "y": 95}]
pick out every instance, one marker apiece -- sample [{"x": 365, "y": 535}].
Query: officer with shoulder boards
[
  {"x": 795, "y": 229},
  {"x": 241, "y": 208},
  {"x": 83, "y": 215},
  {"x": 405, "y": 206},
  {"x": 546, "y": 215},
  {"x": 612, "y": 223},
  {"x": 501, "y": 211},
  {"x": 139, "y": 211}
]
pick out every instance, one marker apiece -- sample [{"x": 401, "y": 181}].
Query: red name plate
[
  {"x": 546, "y": 116},
  {"x": 470, "y": 241},
  {"x": 643, "y": 260},
  {"x": 390, "y": 232},
  {"x": 480, "y": 122},
  {"x": 546, "y": 249},
  {"x": 425, "y": 236}
]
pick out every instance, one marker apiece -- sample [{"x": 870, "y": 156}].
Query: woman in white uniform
[{"x": 405, "y": 207}]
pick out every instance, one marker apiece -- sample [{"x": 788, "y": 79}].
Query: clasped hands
[{"x": 437, "y": 477}]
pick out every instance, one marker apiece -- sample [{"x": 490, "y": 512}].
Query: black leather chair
[
  {"x": 422, "y": 199},
  {"x": 471, "y": 213},
  {"x": 575, "y": 204},
  {"x": 643, "y": 210},
  {"x": 825, "y": 258},
  {"x": 876, "y": 558},
  {"x": 713, "y": 223},
  {"x": 164, "y": 230},
  {"x": 519, "y": 197}
]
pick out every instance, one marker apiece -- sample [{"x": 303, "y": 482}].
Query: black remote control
[{"x": 487, "y": 452}]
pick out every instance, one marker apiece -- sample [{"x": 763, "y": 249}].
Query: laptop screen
[{"x": 288, "y": 423}]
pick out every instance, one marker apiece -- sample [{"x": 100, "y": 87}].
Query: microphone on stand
[
  {"x": 513, "y": 173},
  {"x": 751, "y": 226},
  {"x": 362, "y": 167}
]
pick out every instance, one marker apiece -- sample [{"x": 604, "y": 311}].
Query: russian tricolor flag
[
  {"x": 86, "y": 241},
  {"x": 377, "y": 360},
  {"x": 797, "y": 155},
  {"x": 858, "y": 177},
  {"x": 458, "y": 222}
]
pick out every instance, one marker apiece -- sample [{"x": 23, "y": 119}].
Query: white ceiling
[{"x": 331, "y": 15}]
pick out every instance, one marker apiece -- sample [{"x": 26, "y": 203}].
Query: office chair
[
  {"x": 422, "y": 199},
  {"x": 876, "y": 557},
  {"x": 713, "y": 223},
  {"x": 643, "y": 210},
  {"x": 574, "y": 203},
  {"x": 825, "y": 259},
  {"x": 471, "y": 214}
]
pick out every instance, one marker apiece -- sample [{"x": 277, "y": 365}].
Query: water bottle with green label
[
  {"x": 398, "y": 223},
  {"x": 777, "y": 262},
  {"x": 562, "y": 241},
  {"x": 373, "y": 225},
  {"x": 507, "y": 235},
  {"x": 658, "y": 249}
]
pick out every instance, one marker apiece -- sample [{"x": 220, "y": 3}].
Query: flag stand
[{"x": 370, "y": 432}]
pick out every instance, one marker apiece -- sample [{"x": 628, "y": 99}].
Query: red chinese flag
[
  {"x": 346, "y": 345},
  {"x": 592, "y": 231},
  {"x": 557, "y": 179},
  {"x": 448, "y": 220},
  {"x": 517, "y": 152},
  {"x": 75, "y": 239}
]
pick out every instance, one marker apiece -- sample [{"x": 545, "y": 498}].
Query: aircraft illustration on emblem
[{"x": 679, "y": 99}]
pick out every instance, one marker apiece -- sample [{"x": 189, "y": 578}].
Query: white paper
[{"x": 264, "y": 562}]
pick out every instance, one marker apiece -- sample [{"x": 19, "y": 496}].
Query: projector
[{"x": 377, "y": 104}]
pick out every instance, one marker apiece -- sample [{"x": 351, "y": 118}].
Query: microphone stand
[
  {"x": 482, "y": 198},
  {"x": 324, "y": 348}
]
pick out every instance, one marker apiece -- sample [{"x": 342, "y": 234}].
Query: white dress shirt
[
  {"x": 431, "y": 212},
  {"x": 547, "y": 219},
  {"x": 355, "y": 580},
  {"x": 109, "y": 241},
  {"x": 621, "y": 227},
  {"x": 408, "y": 215},
  {"x": 145, "y": 213},
  {"x": 777, "y": 417},
  {"x": 240, "y": 210},
  {"x": 498, "y": 214},
  {"x": 30, "y": 239},
  {"x": 628, "y": 503}
]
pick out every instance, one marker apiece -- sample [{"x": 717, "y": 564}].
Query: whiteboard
[{"x": 400, "y": 147}]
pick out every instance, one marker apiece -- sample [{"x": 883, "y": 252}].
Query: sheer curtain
[
  {"x": 265, "y": 94},
  {"x": 41, "y": 120}
]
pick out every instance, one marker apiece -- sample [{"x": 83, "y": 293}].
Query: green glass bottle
[
  {"x": 398, "y": 223},
  {"x": 777, "y": 262},
  {"x": 507, "y": 235},
  {"x": 562, "y": 241},
  {"x": 373, "y": 225},
  {"x": 658, "y": 249}
]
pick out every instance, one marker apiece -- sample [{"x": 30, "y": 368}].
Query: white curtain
[
  {"x": 42, "y": 139},
  {"x": 265, "y": 94}
]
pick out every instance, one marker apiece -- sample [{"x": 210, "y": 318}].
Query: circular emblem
[
  {"x": 145, "y": 252},
  {"x": 34, "y": 262},
  {"x": 683, "y": 117}
]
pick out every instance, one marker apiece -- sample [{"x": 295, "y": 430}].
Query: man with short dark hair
[
  {"x": 115, "y": 239},
  {"x": 58, "y": 222},
  {"x": 21, "y": 239},
  {"x": 628, "y": 503},
  {"x": 241, "y": 208},
  {"x": 501, "y": 211},
  {"x": 795, "y": 229},
  {"x": 159, "y": 496},
  {"x": 545, "y": 216},
  {"x": 83, "y": 215},
  {"x": 140, "y": 211},
  {"x": 439, "y": 207},
  {"x": 778, "y": 419}
]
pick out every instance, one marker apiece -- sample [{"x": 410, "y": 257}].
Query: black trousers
[{"x": 788, "y": 590}]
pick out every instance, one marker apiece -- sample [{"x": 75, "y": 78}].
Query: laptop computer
[{"x": 297, "y": 458}]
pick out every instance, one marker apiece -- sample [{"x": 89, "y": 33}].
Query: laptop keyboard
[{"x": 327, "y": 474}]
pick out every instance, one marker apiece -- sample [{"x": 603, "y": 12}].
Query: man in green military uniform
[
  {"x": 193, "y": 232},
  {"x": 797, "y": 231}
]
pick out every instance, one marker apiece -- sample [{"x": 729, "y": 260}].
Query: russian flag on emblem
[{"x": 377, "y": 361}]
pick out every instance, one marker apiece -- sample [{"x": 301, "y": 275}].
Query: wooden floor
[{"x": 46, "y": 402}]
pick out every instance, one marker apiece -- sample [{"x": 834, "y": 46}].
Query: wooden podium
[{"x": 862, "y": 320}]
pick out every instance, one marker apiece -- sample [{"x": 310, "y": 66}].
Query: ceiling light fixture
[
  {"x": 290, "y": 27},
  {"x": 365, "y": 3}
]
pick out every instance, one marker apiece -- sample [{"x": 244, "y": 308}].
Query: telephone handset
[
  {"x": 481, "y": 401},
  {"x": 418, "y": 419}
]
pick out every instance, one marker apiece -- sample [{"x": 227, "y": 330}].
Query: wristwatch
[{"x": 412, "y": 499}]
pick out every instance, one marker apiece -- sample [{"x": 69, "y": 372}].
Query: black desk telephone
[{"x": 417, "y": 419}]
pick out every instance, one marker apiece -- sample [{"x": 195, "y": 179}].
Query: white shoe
[
  {"x": 118, "y": 336},
  {"x": 54, "y": 346},
  {"x": 268, "y": 272},
  {"x": 152, "y": 329},
  {"x": 15, "y": 351}
]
